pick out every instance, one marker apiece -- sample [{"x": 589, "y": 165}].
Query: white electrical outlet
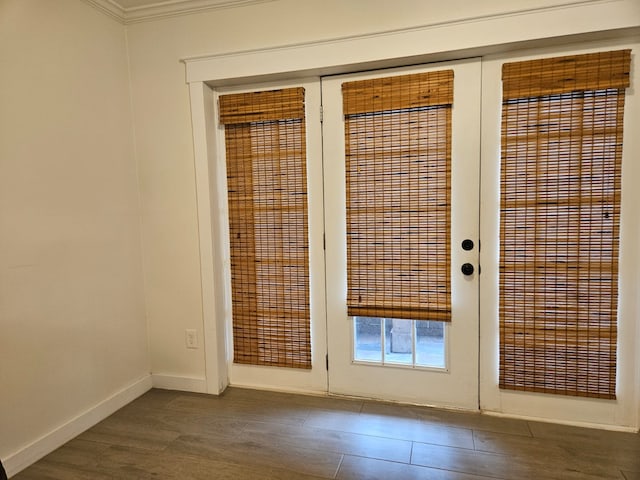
[{"x": 191, "y": 338}]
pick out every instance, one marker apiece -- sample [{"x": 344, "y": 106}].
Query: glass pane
[
  {"x": 398, "y": 341},
  {"x": 430, "y": 344},
  {"x": 368, "y": 339}
]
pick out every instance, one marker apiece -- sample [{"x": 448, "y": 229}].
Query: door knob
[
  {"x": 467, "y": 269},
  {"x": 467, "y": 244}
]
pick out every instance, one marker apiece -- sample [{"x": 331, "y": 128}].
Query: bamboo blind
[
  {"x": 398, "y": 178},
  {"x": 562, "y": 124},
  {"x": 267, "y": 197}
]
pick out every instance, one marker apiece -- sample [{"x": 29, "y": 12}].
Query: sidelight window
[{"x": 562, "y": 124}]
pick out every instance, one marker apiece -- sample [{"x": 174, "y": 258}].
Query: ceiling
[
  {"x": 126, "y": 4},
  {"x": 173, "y": 4},
  {"x": 130, "y": 11}
]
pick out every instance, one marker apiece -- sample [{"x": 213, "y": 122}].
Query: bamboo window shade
[
  {"x": 562, "y": 122},
  {"x": 398, "y": 182},
  {"x": 267, "y": 201}
]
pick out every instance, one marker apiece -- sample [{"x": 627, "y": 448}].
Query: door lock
[
  {"x": 467, "y": 244},
  {"x": 467, "y": 269}
]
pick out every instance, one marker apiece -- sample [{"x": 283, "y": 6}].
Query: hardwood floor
[{"x": 247, "y": 434}]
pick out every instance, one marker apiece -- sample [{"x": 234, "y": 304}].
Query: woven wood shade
[
  {"x": 550, "y": 76},
  {"x": 271, "y": 105},
  {"x": 267, "y": 196},
  {"x": 560, "y": 217},
  {"x": 398, "y": 179}
]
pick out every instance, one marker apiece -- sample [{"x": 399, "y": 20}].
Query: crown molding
[
  {"x": 168, "y": 8},
  {"x": 174, "y": 8},
  {"x": 109, "y": 8}
]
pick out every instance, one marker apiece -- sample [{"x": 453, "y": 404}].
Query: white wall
[{"x": 72, "y": 322}]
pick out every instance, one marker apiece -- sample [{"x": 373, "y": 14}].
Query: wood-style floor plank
[
  {"x": 248, "y": 434},
  {"x": 391, "y": 427},
  {"x": 357, "y": 468},
  {"x": 542, "y": 466},
  {"x": 245, "y": 450},
  {"x": 331, "y": 441},
  {"x": 450, "y": 418},
  {"x": 584, "y": 457}
]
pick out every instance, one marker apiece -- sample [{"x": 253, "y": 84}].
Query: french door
[{"x": 432, "y": 356}]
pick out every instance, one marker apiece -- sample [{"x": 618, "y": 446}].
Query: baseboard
[
  {"x": 600, "y": 426},
  {"x": 46, "y": 444},
  {"x": 184, "y": 384}
]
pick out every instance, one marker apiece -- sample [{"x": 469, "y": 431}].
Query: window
[
  {"x": 390, "y": 341},
  {"x": 398, "y": 180},
  {"x": 560, "y": 219},
  {"x": 398, "y": 162},
  {"x": 267, "y": 195}
]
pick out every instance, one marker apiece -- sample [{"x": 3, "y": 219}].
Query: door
[{"x": 381, "y": 167}]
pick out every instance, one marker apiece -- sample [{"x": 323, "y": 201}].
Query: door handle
[{"x": 467, "y": 269}]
